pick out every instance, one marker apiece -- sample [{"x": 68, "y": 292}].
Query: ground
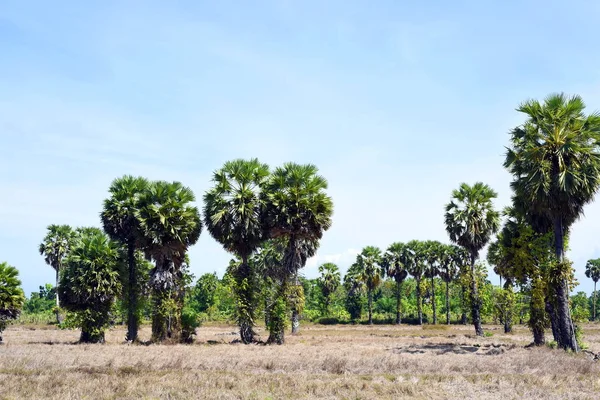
[{"x": 348, "y": 362}]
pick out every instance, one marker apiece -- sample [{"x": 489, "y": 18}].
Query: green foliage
[
  {"x": 90, "y": 282},
  {"x": 580, "y": 311},
  {"x": 11, "y": 295}
]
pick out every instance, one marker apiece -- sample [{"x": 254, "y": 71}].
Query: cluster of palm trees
[
  {"x": 419, "y": 259},
  {"x": 11, "y": 295},
  {"x": 250, "y": 210}
]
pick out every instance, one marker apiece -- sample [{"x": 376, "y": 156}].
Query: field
[{"x": 352, "y": 362}]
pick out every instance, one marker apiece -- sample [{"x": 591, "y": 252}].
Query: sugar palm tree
[
  {"x": 233, "y": 216},
  {"x": 170, "y": 225},
  {"x": 369, "y": 261},
  {"x": 55, "y": 248},
  {"x": 329, "y": 281},
  {"x": 592, "y": 271},
  {"x": 470, "y": 222},
  {"x": 90, "y": 283},
  {"x": 416, "y": 268},
  {"x": 448, "y": 271},
  {"x": 297, "y": 208},
  {"x": 433, "y": 251},
  {"x": 555, "y": 159},
  {"x": 11, "y": 295},
  {"x": 395, "y": 260},
  {"x": 120, "y": 223}
]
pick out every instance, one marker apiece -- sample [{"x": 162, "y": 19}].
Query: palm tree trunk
[
  {"x": 295, "y": 313},
  {"x": 58, "y": 321},
  {"x": 536, "y": 312},
  {"x": 370, "y": 295},
  {"x": 475, "y": 306},
  {"x": 132, "y": 320},
  {"x": 566, "y": 329},
  {"x": 463, "y": 315},
  {"x": 398, "y": 302},
  {"x": 433, "y": 299},
  {"x": 277, "y": 315},
  {"x": 419, "y": 308},
  {"x": 447, "y": 303},
  {"x": 594, "y": 300},
  {"x": 245, "y": 303}
]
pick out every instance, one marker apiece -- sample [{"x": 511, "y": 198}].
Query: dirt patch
[{"x": 454, "y": 348}]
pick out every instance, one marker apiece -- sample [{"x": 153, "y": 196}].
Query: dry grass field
[{"x": 348, "y": 362}]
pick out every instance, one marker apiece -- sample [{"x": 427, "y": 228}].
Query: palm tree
[
  {"x": 232, "y": 215},
  {"x": 395, "y": 260},
  {"x": 297, "y": 208},
  {"x": 120, "y": 223},
  {"x": 369, "y": 261},
  {"x": 55, "y": 248},
  {"x": 11, "y": 295},
  {"x": 592, "y": 271},
  {"x": 555, "y": 160},
  {"x": 416, "y": 268},
  {"x": 448, "y": 271},
  {"x": 90, "y": 283},
  {"x": 470, "y": 222},
  {"x": 354, "y": 288},
  {"x": 432, "y": 255},
  {"x": 170, "y": 225},
  {"x": 329, "y": 281}
]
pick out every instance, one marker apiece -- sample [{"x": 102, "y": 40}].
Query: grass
[{"x": 351, "y": 362}]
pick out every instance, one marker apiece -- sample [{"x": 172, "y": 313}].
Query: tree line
[{"x": 272, "y": 222}]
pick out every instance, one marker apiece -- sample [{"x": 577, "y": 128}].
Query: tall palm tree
[
  {"x": 395, "y": 260},
  {"x": 369, "y": 261},
  {"x": 91, "y": 281},
  {"x": 329, "y": 281},
  {"x": 55, "y": 248},
  {"x": 120, "y": 223},
  {"x": 233, "y": 216},
  {"x": 416, "y": 268},
  {"x": 170, "y": 225},
  {"x": 470, "y": 222},
  {"x": 555, "y": 159},
  {"x": 432, "y": 255},
  {"x": 448, "y": 271},
  {"x": 354, "y": 288},
  {"x": 11, "y": 295},
  {"x": 592, "y": 271},
  {"x": 297, "y": 208}
]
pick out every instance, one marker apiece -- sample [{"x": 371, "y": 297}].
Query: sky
[{"x": 396, "y": 102}]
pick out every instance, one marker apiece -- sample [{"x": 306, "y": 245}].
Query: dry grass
[{"x": 351, "y": 362}]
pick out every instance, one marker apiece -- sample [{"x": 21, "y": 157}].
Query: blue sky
[{"x": 396, "y": 102}]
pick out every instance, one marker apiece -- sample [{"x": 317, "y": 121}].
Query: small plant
[
  {"x": 488, "y": 334},
  {"x": 552, "y": 344}
]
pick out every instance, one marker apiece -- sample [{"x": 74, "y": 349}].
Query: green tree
[
  {"x": 90, "y": 282},
  {"x": 233, "y": 217},
  {"x": 205, "y": 291},
  {"x": 450, "y": 259},
  {"x": 354, "y": 288},
  {"x": 297, "y": 209},
  {"x": 592, "y": 271},
  {"x": 395, "y": 260},
  {"x": 433, "y": 253},
  {"x": 369, "y": 262},
  {"x": 55, "y": 248},
  {"x": 555, "y": 161},
  {"x": 580, "y": 307},
  {"x": 417, "y": 268},
  {"x": 170, "y": 225},
  {"x": 11, "y": 295},
  {"x": 329, "y": 281},
  {"x": 120, "y": 222},
  {"x": 470, "y": 222}
]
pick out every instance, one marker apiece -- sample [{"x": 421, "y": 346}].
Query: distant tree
[
  {"x": 369, "y": 261},
  {"x": 580, "y": 307},
  {"x": 470, "y": 222},
  {"x": 555, "y": 159},
  {"x": 298, "y": 210},
  {"x": 11, "y": 295},
  {"x": 354, "y": 288},
  {"x": 329, "y": 281},
  {"x": 120, "y": 222},
  {"x": 233, "y": 216},
  {"x": 55, "y": 248},
  {"x": 433, "y": 253},
  {"x": 450, "y": 263},
  {"x": 205, "y": 291},
  {"x": 90, "y": 283},
  {"x": 592, "y": 271},
  {"x": 416, "y": 268},
  {"x": 395, "y": 260}
]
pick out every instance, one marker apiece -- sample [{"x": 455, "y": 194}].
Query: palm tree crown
[
  {"x": 56, "y": 245},
  {"x": 592, "y": 269}
]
